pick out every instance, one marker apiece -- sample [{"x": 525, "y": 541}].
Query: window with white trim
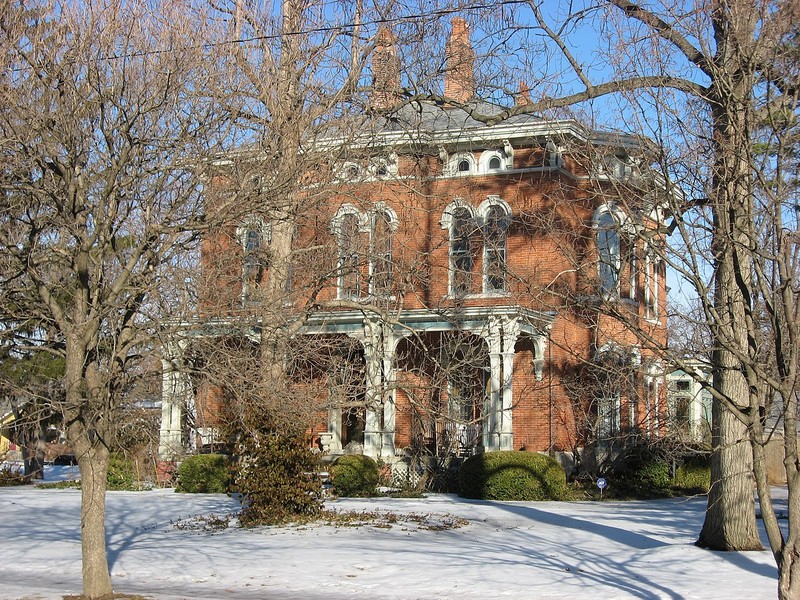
[
  {"x": 347, "y": 230},
  {"x": 254, "y": 237},
  {"x": 492, "y": 161},
  {"x": 608, "y": 254},
  {"x": 496, "y": 220},
  {"x": 651, "y": 278},
  {"x": 383, "y": 224},
  {"x": 462, "y": 163}
]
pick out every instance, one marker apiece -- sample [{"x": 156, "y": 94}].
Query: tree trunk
[
  {"x": 730, "y": 521},
  {"x": 789, "y": 573},
  {"x": 93, "y": 462},
  {"x": 84, "y": 414}
]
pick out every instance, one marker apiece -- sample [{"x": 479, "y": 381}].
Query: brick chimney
[
  {"x": 523, "y": 97},
  {"x": 385, "y": 71},
  {"x": 459, "y": 78}
]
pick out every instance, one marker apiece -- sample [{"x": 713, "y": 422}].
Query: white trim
[
  {"x": 486, "y": 158},
  {"x": 455, "y": 160}
]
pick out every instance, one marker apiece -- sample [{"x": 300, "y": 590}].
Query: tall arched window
[
  {"x": 495, "y": 233},
  {"x": 347, "y": 240},
  {"x": 608, "y": 252},
  {"x": 381, "y": 253},
  {"x": 461, "y": 253},
  {"x": 254, "y": 239}
]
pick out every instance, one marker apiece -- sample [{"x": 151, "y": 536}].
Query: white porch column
[
  {"x": 510, "y": 332},
  {"x": 389, "y": 376},
  {"x": 493, "y": 413},
  {"x": 176, "y": 394},
  {"x": 501, "y": 336},
  {"x": 380, "y": 345},
  {"x": 371, "y": 340},
  {"x": 335, "y": 429}
]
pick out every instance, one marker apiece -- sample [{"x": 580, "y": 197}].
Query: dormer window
[
  {"x": 494, "y": 163},
  {"x": 463, "y": 166}
]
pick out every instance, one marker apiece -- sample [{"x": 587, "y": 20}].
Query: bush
[
  {"x": 277, "y": 477},
  {"x": 694, "y": 475},
  {"x": 510, "y": 475},
  {"x": 355, "y": 476},
  {"x": 121, "y": 474},
  {"x": 10, "y": 476},
  {"x": 646, "y": 473},
  {"x": 204, "y": 474}
]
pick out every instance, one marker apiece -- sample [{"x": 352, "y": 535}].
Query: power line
[{"x": 329, "y": 28}]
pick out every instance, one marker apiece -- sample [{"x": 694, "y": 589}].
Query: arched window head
[{"x": 492, "y": 161}]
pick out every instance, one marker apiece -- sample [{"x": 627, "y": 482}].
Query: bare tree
[
  {"x": 722, "y": 77},
  {"x": 101, "y": 125}
]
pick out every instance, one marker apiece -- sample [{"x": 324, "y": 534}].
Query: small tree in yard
[{"x": 97, "y": 206}]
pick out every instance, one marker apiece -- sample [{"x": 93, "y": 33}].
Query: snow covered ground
[{"x": 523, "y": 550}]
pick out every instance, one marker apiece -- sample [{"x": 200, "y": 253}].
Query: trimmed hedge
[
  {"x": 355, "y": 476},
  {"x": 511, "y": 475},
  {"x": 204, "y": 474}
]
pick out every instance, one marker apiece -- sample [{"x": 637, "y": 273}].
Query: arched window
[
  {"x": 461, "y": 163},
  {"x": 494, "y": 160},
  {"x": 652, "y": 269},
  {"x": 254, "y": 239},
  {"x": 495, "y": 233},
  {"x": 495, "y": 217},
  {"x": 381, "y": 253},
  {"x": 608, "y": 252},
  {"x": 348, "y": 243},
  {"x": 461, "y": 253}
]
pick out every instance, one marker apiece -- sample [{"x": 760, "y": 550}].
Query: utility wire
[{"x": 326, "y": 29}]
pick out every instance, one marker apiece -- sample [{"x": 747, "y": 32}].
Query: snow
[{"x": 161, "y": 545}]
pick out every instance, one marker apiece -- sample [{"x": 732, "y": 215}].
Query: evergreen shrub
[
  {"x": 121, "y": 474},
  {"x": 276, "y": 474},
  {"x": 204, "y": 474},
  {"x": 510, "y": 475},
  {"x": 694, "y": 475},
  {"x": 355, "y": 476},
  {"x": 646, "y": 473}
]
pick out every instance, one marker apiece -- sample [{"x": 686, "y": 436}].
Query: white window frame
[
  {"x": 447, "y": 223},
  {"x": 264, "y": 231},
  {"x": 380, "y": 208},
  {"x": 622, "y": 226},
  {"x": 363, "y": 221},
  {"x": 486, "y": 159},
  {"x": 454, "y": 161},
  {"x": 494, "y": 202}
]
